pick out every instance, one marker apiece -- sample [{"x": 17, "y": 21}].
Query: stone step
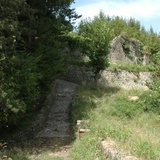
[
  {"x": 55, "y": 129},
  {"x": 57, "y": 124},
  {"x": 60, "y": 107},
  {"x": 59, "y": 116}
]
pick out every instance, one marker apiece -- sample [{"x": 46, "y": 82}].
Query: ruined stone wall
[
  {"x": 124, "y": 49},
  {"x": 79, "y": 75},
  {"x": 125, "y": 79},
  {"x": 122, "y": 79}
]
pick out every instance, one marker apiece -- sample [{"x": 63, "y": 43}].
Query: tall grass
[
  {"x": 112, "y": 115},
  {"x": 134, "y": 125}
]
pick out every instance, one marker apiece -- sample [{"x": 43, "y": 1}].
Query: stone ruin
[
  {"x": 122, "y": 49},
  {"x": 125, "y": 49}
]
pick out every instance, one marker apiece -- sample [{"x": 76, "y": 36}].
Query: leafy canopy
[
  {"x": 95, "y": 45},
  {"x": 30, "y": 53}
]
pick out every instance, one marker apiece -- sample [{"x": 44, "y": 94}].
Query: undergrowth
[{"x": 133, "y": 125}]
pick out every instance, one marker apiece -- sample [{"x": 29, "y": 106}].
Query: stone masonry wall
[
  {"x": 79, "y": 75},
  {"x": 122, "y": 79},
  {"x": 125, "y": 79}
]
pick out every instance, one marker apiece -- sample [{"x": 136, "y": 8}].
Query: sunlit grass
[
  {"x": 131, "y": 67},
  {"x": 112, "y": 115}
]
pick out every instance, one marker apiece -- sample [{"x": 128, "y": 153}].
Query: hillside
[{"x": 38, "y": 45}]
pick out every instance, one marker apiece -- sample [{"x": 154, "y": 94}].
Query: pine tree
[{"x": 30, "y": 52}]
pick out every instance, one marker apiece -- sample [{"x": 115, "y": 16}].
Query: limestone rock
[
  {"x": 124, "y": 49},
  {"x": 124, "y": 79}
]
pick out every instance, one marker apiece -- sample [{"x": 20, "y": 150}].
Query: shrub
[{"x": 97, "y": 36}]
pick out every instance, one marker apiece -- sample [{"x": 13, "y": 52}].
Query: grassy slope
[{"x": 112, "y": 115}]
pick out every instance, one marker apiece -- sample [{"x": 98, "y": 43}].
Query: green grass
[
  {"x": 113, "y": 116},
  {"x": 131, "y": 67},
  {"x": 134, "y": 126}
]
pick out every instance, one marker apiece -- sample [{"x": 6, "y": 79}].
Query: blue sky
[{"x": 145, "y": 11}]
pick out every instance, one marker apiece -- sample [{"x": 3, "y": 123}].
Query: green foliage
[
  {"x": 30, "y": 53},
  {"x": 95, "y": 35},
  {"x": 99, "y": 31},
  {"x": 122, "y": 108},
  {"x": 147, "y": 150},
  {"x": 134, "y": 29},
  {"x": 19, "y": 155},
  {"x": 131, "y": 67},
  {"x": 94, "y": 151},
  {"x": 112, "y": 116},
  {"x": 96, "y": 44},
  {"x": 153, "y": 98},
  {"x": 18, "y": 84},
  {"x": 150, "y": 101},
  {"x": 50, "y": 66}
]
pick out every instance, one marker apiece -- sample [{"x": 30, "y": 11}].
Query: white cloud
[
  {"x": 135, "y": 8},
  {"x": 142, "y": 10}
]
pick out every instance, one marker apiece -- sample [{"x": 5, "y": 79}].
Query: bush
[
  {"x": 19, "y": 88},
  {"x": 153, "y": 99},
  {"x": 150, "y": 102}
]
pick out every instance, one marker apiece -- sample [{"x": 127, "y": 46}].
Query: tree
[
  {"x": 118, "y": 25},
  {"x": 19, "y": 76},
  {"x": 30, "y": 52},
  {"x": 53, "y": 19},
  {"x": 97, "y": 36}
]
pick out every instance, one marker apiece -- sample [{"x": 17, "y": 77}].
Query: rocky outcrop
[
  {"x": 124, "y": 49},
  {"x": 122, "y": 79},
  {"x": 112, "y": 152}
]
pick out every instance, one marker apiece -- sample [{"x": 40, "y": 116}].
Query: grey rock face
[
  {"x": 124, "y": 49},
  {"x": 125, "y": 79}
]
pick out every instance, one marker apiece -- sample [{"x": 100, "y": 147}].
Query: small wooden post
[{"x": 145, "y": 57}]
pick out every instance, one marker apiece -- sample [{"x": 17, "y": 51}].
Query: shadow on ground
[
  {"x": 55, "y": 148},
  {"x": 37, "y": 149}
]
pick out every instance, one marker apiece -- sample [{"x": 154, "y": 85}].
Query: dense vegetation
[
  {"x": 95, "y": 35},
  {"x": 30, "y": 53},
  {"x": 32, "y": 36},
  {"x": 134, "y": 125}
]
